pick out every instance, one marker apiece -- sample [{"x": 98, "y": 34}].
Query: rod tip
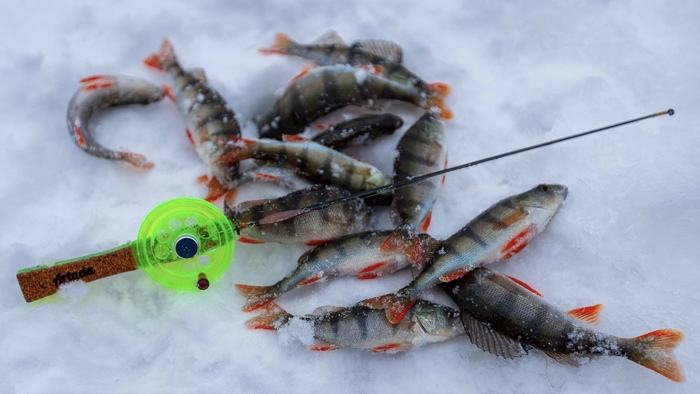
[{"x": 670, "y": 112}]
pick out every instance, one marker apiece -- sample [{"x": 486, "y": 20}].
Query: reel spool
[{"x": 185, "y": 244}]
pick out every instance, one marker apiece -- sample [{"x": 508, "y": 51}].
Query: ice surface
[{"x": 520, "y": 74}]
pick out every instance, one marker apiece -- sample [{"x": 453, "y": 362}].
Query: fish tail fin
[
  {"x": 257, "y": 296},
  {"x": 282, "y": 45},
  {"x": 272, "y": 318},
  {"x": 436, "y": 98},
  {"x": 163, "y": 58},
  {"x": 137, "y": 160},
  {"x": 396, "y": 305},
  {"x": 236, "y": 149},
  {"x": 405, "y": 238},
  {"x": 656, "y": 352}
]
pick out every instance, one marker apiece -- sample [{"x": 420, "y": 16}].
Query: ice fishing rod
[
  {"x": 280, "y": 216},
  {"x": 187, "y": 243}
]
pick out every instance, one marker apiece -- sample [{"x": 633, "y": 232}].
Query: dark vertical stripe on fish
[
  {"x": 469, "y": 233},
  {"x": 330, "y": 86},
  {"x": 362, "y": 323}
]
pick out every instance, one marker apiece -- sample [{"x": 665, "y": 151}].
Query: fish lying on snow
[
  {"x": 273, "y": 173},
  {"x": 102, "y": 91},
  {"x": 209, "y": 120},
  {"x": 500, "y": 315},
  {"x": 313, "y": 228},
  {"x": 331, "y": 49},
  {"x": 422, "y": 150},
  {"x": 359, "y": 327},
  {"x": 352, "y": 255},
  {"x": 315, "y": 161},
  {"x": 358, "y": 131},
  {"x": 325, "y": 89},
  {"x": 496, "y": 234}
]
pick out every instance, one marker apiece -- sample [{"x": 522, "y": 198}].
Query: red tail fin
[
  {"x": 436, "y": 98},
  {"x": 165, "y": 55},
  {"x": 657, "y": 353},
  {"x": 257, "y": 296},
  {"x": 282, "y": 44},
  {"x": 137, "y": 160},
  {"x": 272, "y": 318},
  {"x": 395, "y": 305}
]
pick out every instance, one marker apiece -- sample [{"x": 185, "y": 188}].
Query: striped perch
[
  {"x": 352, "y": 255},
  {"x": 103, "y": 91},
  {"x": 313, "y": 228},
  {"x": 330, "y": 49},
  {"x": 496, "y": 234},
  {"x": 359, "y": 327},
  {"x": 360, "y": 130},
  {"x": 209, "y": 120},
  {"x": 422, "y": 150},
  {"x": 502, "y": 317},
  {"x": 325, "y": 89},
  {"x": 314, "y": 161}
]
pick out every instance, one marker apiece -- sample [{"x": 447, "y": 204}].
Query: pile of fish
[{"x": 499, "y": 314}]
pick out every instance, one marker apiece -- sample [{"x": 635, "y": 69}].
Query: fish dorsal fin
[
  {"x": 489, "y": 340},
  {"x": 587, "y": 314},
  {"x": 326, "y": 309},
  {"x": 331, "y": 37},
  {"x": 388, "y": 50},
  {"x": 564, "y": 358}
]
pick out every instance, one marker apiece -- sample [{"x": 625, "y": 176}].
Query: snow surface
[{"x": 521, "y": 73}]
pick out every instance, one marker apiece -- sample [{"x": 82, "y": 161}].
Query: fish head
[
  {"x": 435, "y": 320},
  {"x": 376, "y": 179},
  {"x": 544, "y": 196},
  {"x": 138, "y": 91}
]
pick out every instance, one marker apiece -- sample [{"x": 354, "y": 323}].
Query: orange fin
[
  {"x": 165, "y": 53},
  {"x": 436, "y": 96},
  {"x": 189, "y": 136},
  {"x": 257, "y": 296},
  {"x": 311, "y": 280},
  {"x": 79, "y": 136},
  {"x": 293, "y": 138},
  {"x": 272, "y": 318},
  {"x": 372, "y": 267},
  {"x": 94, "y": 78},
  {"x": 169, "y": 91},
  {"x": 657, "y": 355},
  {"x": 323, "y": 346},
  {"x": 588, "y": 314},
  {"x": 454, "y": 275},
  {"x": 395, "y": 306},
  {"x": 519, "y": 242},
  {"x": 97, "y": 86},
  {"x": 426, "y": 221},
  {"x": 137, "y": 160},
  {"x": 525, "y": 286},
  {"x": 281, "y": 45},
  {"x": 304, "y": 70},
  {"x": 368, "y": 276},
  {"x": 318, "y": 242},
  {"x": 236, "y": 149},
  {"x": 390, "y": 348},
  {"x": 248, "y": 240},
  {"x": 214, "y": 188},
  {"x": 264, "y": 176}
]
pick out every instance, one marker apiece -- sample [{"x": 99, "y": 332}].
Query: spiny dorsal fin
[
  {"x": 388, "y": 50},
  {"x": 489, "y": 340},
  {"x": 331, "y": 37},
  {"x": 326, "y": 309}
]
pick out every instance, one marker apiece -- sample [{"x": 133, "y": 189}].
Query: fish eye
[{"x": 544, "y": 188}]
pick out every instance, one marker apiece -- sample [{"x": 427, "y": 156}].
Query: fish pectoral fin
[
  {"x": 388, "y": 50},
  {"x": 525, "y": 286},
  {"x": 454, "y": 275},
  {"x": 293, "y": 138},
  {"x": 564, "y": 358},
  {"x": 214, "y": 188},
  {"x": 311, "y": 280},
  {"x": 391, "y": 348},
  {"x": 489, "y": 340},
  {"x": 587, "y": 314},
  {"x": 519, "y": 242},
  {"x": 248, "y": 240},
  {"x": 320, "y": 345}
]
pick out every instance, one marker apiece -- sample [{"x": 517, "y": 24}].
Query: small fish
[
  {"x": 331, "y": 49},
  {"x": 325, "y": 89},
  {"x": 209, "y": 120},
  {"x": 314, "y": 161},
  {"x": 359, "y": 327},
  {"x": 422, "y": 150},
  {"x": 498, "y": 233},
  {"x": 358, "y": 131},
  {"x": 102, "y": 91},
  {"x": 352, "y": 255},
  {"x": 313, "y": 228},
  {"x": 495, "y": 309}
]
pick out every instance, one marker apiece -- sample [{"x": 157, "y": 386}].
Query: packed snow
[{"x": 520, "y": 73}]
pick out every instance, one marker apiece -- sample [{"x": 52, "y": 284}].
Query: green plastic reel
[{"x": 185, "y": 243}]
